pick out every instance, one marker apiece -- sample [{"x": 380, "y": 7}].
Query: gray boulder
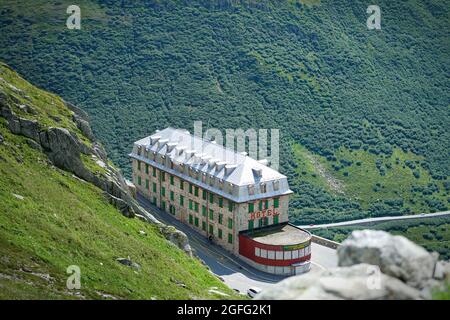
[
  {"x": 395, "y": 255},
  {"x": 84, "y": 127},
  {"x": 177, "y": 237},
  {"x": 358, "y": 282}
]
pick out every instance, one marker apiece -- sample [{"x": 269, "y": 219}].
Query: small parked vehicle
[{"x": 252, "y": 292}]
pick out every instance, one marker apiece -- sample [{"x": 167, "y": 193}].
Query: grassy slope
[{"x": 63, "y": 221}]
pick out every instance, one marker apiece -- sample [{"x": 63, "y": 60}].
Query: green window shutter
[
  {"x": 154, "y": 200},
  {"x": 250, "y": 224},
  {"x": 191, "y": 204},
  {"x": 163, "y": 205},
  {"x": 163, "y": 191},
  {"x": 181, "y": 200},
  {"x": 211, "y": 214},
  {"x": 139, "y": 165},
  {"x": 146, "y": 184},
  {"x": 276, "y": 202},
  {"x": 204, "y": 194},
  {"x": 203, "y": 225},
  {"x": 146, "y": 168},
  {"x": 230, "y": 205},
  {"x": 196, "y": 221},
  {"x": 230, "y": 223},
  {"x": 154, "y": 187},
  {"x": 260, "y": 222},
  {"x": 172, "y": 195},
  {"x": 211, "y": 229},
  {"x": 190, "y": 188},
  {"x": 139, "y": 180},
  {"x": 163, "y": 176},
  {"x": 275, "y": 219},
  {"x": 220, "y": 218},
  {"x": 154, "y": 171},
  {"x": 266, "y": 221},
  {"x": 181, "y": 184},
  {"x": 171, "y": 180},
  {"x": 260, "y": 205},
  {"x": 196, "y": 191},
  {"x": 266, "y": 204},
  {"x": 230, "y": 238},
  {"x": 219, "y": 231},
  {"x": 221, "y": 202},
  {"x": 211, "y": 198},
  {"x": 251, "y": 207},
  {"x": 196, "y": 206},
  {"x": 204, "y": 211},
  {"x": 190, "y": 218}
]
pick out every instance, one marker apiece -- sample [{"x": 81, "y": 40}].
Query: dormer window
[
  {"x": 263, "y": 187},
  {"x": 251, "y": 189},
  {"x": 276, "y": 185}
]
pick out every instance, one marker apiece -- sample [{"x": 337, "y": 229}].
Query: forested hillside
[{"x": 364, "y": 114}]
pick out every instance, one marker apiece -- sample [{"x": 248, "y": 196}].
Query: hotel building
[{"x": 237, "y": 202}]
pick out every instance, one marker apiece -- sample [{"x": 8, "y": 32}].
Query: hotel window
[
  {"x": 146, "y": 168},
  {"x": 163, "y": 205},
  {"x": 266, "y": 204},
  {"x": 163, "y": 176},
  {"x": 154, "y": 171},
  {"x": 196, "y": 191},
  {"x": 154, "y": 201},
  {"x": 276, "y": 185},
  {"x": 146, "y": 184},
  {"x": 211, "y": 214},
  {"x": 287, "y": 255},
  {"x": 191, "y": 218},
  {"x": 191, "y": 204},
  {"x": 181, "y": 184},
  {"x": 263, "y": 188},
  {"x": 250, "y": 224},
  {"x": 139, "y": 165},
  {"x": 263, "y": 253},
  {"x": 230, "y": 205},
  {"x": 258, "y": 252},
  {"x": 172, "y": 195},
  {"x": 275, "y": 219},
  {"x": 220, "y": 218},
  {"x": 181, "y": 200},
  {"x": 221, "y": 202},
  {"x": 204, "y": 211},
  {"x": 260, "y": 222},
  {"x": 211, "y": 198},
  {"x": 154, "y": 187},
  {"x": 139, "y": 180},
  {"x": 204, "y": 194},
  {"x": 265, "y": 221},
  {"x": 172, "y": 209},
  {"x": 204, "y": 178},
  {"x": 139, "y": 150},
  {"x": 230, "y": 238},
  {"x": 251, "y": 207},
  {"x": 196, "y": 206},
  {"x": 279, "y": 255},
  {"x": 163, "y": 191},
  {"x": 203, "y": 225},
  {"x": 230, "y": 223},
  {"x": 211, "y": 229},
  {"x": 251, "y": 189},
  {"x": 276, "y": 202},
  {"x": 190, "y": 188},
  {"x": 260, "y": 205},
  {"x": 221, "y": 184},
  {"x": 196, "y": 221},
  {"x": 219, "y": 231},
  {"x": 171, "y": 180}
]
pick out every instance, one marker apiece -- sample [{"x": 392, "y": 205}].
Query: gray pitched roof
[{"x": 212, "y": 166}]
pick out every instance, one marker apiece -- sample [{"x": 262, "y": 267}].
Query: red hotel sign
[{"x": 264, "y": 213}]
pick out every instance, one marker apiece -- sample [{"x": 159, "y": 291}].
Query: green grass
[{"x": 63, "y": 221}]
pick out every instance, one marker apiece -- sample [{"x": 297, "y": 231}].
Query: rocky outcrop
[
  {"x": 395, "y": 255},
  {"x": 64, "y": 150},
  {"x": 372, "y": 265}
]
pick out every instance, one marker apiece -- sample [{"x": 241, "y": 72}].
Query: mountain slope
[
  {"x": 50, "y": 219},
  {"x": 345, "y": 94}
]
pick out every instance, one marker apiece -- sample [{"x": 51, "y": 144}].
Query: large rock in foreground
[
  {"x": 359, "y": 282},
  {"x": 395, "y": 255}
]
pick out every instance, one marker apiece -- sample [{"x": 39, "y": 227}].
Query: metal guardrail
[{"x": 325, "y": 242}]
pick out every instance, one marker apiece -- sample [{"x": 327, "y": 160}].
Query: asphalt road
[
  {"x": 378, "y": 219},
  {"x": 236, "y": 273}
]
